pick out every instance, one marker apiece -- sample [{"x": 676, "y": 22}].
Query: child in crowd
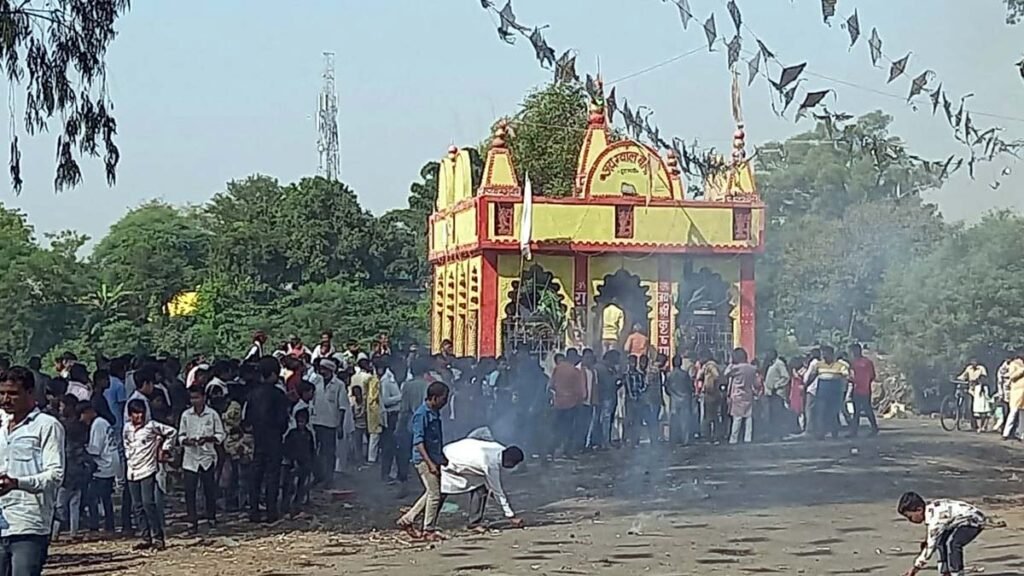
[
  {"x": 238, "y": 447},
  {"x": 951, "y": 526},
  {"x": 78, "y": 469},
  {"x": 361, "y": 437},
  {"x": 299, "y": 452},
  {"x": 146, "y": 443}
]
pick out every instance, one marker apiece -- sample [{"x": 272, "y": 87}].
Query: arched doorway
[
  {"x": 622, "y": 289},
  {"x": 705, "y": 307},
  {"x": 535, "y": 314}
]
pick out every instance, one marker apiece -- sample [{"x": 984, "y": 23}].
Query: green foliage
[
  {"x": 57, "y": 52},
  {"x": 840, "y": 219},
  {"x": 1014, "y": 11},
  {"x": 961, "y": 301},
  {"x": 548, "y": 135},
  {"x": 154, "y": 252}
]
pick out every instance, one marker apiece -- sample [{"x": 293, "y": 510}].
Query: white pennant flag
[{"x": 526, "y": 223}]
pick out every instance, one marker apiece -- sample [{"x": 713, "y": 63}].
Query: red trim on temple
[
  {"x": 487, "y": 333},
  {"x": 748, "y": 304}
]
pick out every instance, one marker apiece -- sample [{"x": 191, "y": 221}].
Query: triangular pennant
[
  {"x": 853, "y": 28},
  {"x": 811, "y": 99},
  {"x": 918, "y": 84},
  {"x": 935, "y": 99},
  {"x": 734, "y": 46},
  {"x": 611, "y": 105},
  {"x": 789, "y": 75},
  {"x": 753, "y": 68},
  {"x": 768, "y": 55},
  {"x": 898, "y": 68},
  {"x": 734, "y": 13},
  {"x": 710, "y": 31},
  {"x": 684, "y": 12},
  {"x": 876, "y": 47},
  {"x": 828, "y": 9}
]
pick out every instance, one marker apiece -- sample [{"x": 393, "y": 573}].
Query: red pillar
[
  {"x": 748, "y": 304},
  {"x": 488, "y": 327}
]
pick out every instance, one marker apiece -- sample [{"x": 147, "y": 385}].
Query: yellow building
[{"x": 627, "y": 247}]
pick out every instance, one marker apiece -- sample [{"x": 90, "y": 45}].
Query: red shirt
[
  {"x": 863, "y": 375},
  {"x": 568, "y": 385}
]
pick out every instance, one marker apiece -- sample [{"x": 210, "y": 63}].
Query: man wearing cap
[{"x": 330, "y": 401}]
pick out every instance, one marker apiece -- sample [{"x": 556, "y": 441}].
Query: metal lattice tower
[{"x": 327, "y": 123}]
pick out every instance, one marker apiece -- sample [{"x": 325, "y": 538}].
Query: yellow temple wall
[
  {"x": 455, "y": 305},
  {"x": 454, "y": 230}
]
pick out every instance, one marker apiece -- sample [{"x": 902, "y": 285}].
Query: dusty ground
[{"x": 791, "y": 508}]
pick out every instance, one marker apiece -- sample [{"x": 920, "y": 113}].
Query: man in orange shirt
[
  {"x": 636, "y": 342},
  {"x": 568, "y": 391}
]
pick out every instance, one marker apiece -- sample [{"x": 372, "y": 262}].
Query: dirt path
[{"x": 791, "y": 508}]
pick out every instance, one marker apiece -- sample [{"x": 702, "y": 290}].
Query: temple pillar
[
  {"x": 488, "y": 319},
  {"x": 748, "y": 304}
]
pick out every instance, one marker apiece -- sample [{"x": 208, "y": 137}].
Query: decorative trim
[
  {"x": 664, "y": 307},
  {"x": 624, "y": 222},
  {"x": 748, "y": 304},
  {"x": 741, "y": 221},
  {"x": 504, "y": 219},
  {"x": 562, "y": 248}
]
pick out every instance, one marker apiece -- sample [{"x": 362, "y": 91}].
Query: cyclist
[{"x": 979, "y": 403}]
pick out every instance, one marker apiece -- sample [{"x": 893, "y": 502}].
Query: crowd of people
[{"x": 256, "y": 434}]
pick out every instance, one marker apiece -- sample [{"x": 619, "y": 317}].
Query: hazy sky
[{"x": 206, "y": 92}]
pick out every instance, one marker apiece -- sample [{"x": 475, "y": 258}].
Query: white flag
[{"x": 526, "y": 223}]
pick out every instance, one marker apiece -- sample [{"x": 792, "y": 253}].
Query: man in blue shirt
[{"x": 428, "y": 458}]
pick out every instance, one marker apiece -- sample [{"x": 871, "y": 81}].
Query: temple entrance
[
  {"x": 536, "y": 315},
  {"x": 623, "y": 291},
  {"x": 705, "y": 312}
]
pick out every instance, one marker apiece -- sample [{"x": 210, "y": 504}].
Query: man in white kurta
[{"x": 474, "y": 466}]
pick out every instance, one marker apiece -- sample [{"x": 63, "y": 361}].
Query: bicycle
[{"x": 956, "y": 408}]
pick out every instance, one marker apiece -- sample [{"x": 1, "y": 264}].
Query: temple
[{"x": 625, "y": 248}]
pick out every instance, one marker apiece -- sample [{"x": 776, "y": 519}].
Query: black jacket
[{"x": 266, "y": 414}]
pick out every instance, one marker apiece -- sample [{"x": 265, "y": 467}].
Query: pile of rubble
[{"x": 893, "y": 396}]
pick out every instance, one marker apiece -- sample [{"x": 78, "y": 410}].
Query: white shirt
[
  {"x": 942, "y": 516},
  {"x": 194, "y": 426},
  {"x": 33, "y": 454},
  {"x": 103, "y": 448},
  {"x": 79, "y": 390},
  {"x": 318, "y": 354},
  {"x": 811, "y": 376},
  {"x": 142, "y": 445},
  {"x": 473, "y": 463},
  {"x": 390, "y": 392},
  {"x": 299, "y": 405},
  {"x": 328, "y": 402}
]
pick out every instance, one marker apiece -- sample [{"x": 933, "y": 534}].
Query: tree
[
  {"x": 961, "y": 301},
  {"x": 40, "y": 286},
  {"x": 1014, "y": 11},
  {"x": 841, "y": 217},
  {"x": 62, "y": 46},
  {"x": 547, "y": 136},
  {"x": 828, "y": 169},
  {"x": 154, "y": 252}
]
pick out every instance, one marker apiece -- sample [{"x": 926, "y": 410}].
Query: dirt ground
[{"x": 799, "y": 507}]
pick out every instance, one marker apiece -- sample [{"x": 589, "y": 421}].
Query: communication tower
[{"x": 327, "y": 123}]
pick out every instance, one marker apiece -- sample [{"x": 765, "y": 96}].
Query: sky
[{"x": 208, "y": 92}]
